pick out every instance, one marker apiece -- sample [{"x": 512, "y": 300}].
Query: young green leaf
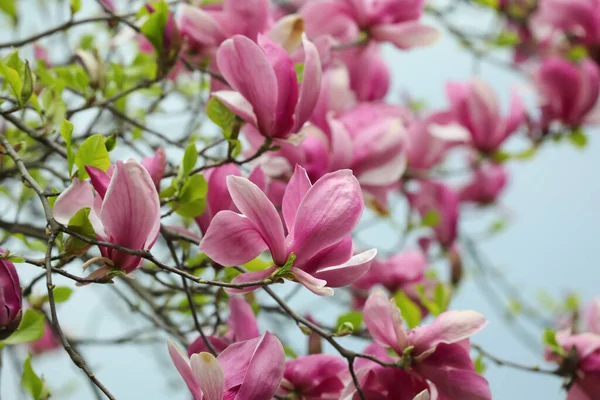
[
  {"x": 66, "y": 132},
  {"x": 92, "y": 152},
  {"x": 30, "y": 329},
  {"x": 34, "y": 385},
  {"x": 14, "y": 80},
  {"x": 431, "y": 219},
  {"x": 28, "y": 82},
  {"x": 80, "y": 223},
  {"x": 192, "y": 198},
  {"x": 410, "y": 311},
  {"x": 355, "y": 318},
  {"x": 154, "y": 26},
  {"x": 221, "y": 116},
  {"x": 190, "y": 157},
  {"x": 9, "y": 7}
]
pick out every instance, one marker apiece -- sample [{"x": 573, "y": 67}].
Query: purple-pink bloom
[
  {"x": 251, "y": 369},
  {"x": 47, "y": 343},
  {"x": 438, "y": 353},
  {"x": 475, "y": 106},
  {"x": 242, "y": 325},
  {"x": 437, "y": 198},
  {"x": 318, "y": 221},
  {"x": 266, "y": 91},
  {"x": 156, "y": 166},
  {"x": 124, "y": 211},
  {"x": 370, "y": 76},
  {"x": 315, "y": 376},
  {"x": 11, "y": 300},
  {"x": 568, "y": 91},
  {"x": 488, "y": 182}
]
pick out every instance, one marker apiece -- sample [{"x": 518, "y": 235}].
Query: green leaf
[
  {"x": 34, "y": 385},
  {"x": 507, "y": 39},
  {"x": 66, "y": 132},
  {"x": 578, "y": 138},
  {"x": 62, "y": 294},
  {"x": 14, "y": 80},
  {"x": 28, "y": 82},
  {"x": 480, "y": 366},
  {"x": 431, "y": 306},
  {"x": 9, "y": 7},
  {"x": 192, "y": 198},
  {"x": 299, "y": 72},
  {"x": 75, "y": 6},
  {"x": 488, "y": 3},
  {"x": 576, "y": 53},
  {"x": 80, "y": 223},
  {"x": 190, "y": 157},
  {"x": 92, "y": 152},
  {"x": 154, "y": 26},
  {"x": 345, "y": 329},
  {"x": 410, "y": 311},
  {"x": 30, "y": 329},
  {"x": 258, "y": 264},
  {"x": 431, "y": 219},
  {"x": 289, "y": 352},
  {"x": 549, "y": 339},
  {"x": 355, "y": 318},
  {"x": 221, "y": 116},
  {"x": 111, "y": 143},
  {"x": 441, "y": 296}
]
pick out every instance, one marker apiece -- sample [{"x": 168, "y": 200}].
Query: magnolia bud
[{"x": 10, "y": 298}]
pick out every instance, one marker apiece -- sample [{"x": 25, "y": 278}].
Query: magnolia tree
[{"x": 282, "y": 144}]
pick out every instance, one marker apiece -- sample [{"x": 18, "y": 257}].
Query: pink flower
[
  {"x": 218, "y": 197},
  {"x": 125, "y": 210},
  {"x": 156, "y": 166},
  {"x": 319, "y": 219},
  {"x": 435, "y": 197},
  {"x": 316, "y": 376},
  {"x": 394, "y": 21},
  {"x": 335, "y": 96},
  {"x": 592, "y": 316},
  {"x": 267, "y": 92},
  {"x": 11, "y": 300},
  {"x": 369, "y": 73},
  {"x": 581, "y": 357},
  {"x": 438, "y": 353},
  {"x": 242, "y": 325},
  {"x": 47, "y": 343},
  {"x": 486, "y": 185},
  {"x": 577, "y": 19},
  {"x": 568, "y": 91},
  {"x": 475, "y": 106},
  {"x": 251, "y": 369}
]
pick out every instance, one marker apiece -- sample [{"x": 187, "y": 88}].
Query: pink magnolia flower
[
  {"x": 335, "y": 96},
  {"x": 370, "y": 76},
  {"x": 394, "y": 21},
  {"x": 577, "y": 19},
  {"x": 487, "y": 184},
  {"x": 584, "y": 350},
  {"x": 475, "y": 106},
  {"x": 251, "y": 369},
  {"x": 438, "y": 353},
  {"x": 47, "y": 343},
  {"x": 267, "y": 92},
  {"x": 11, "y": 300},
  {"x": 315, "y": 376},
  {"x": 156, "y": 166},
  {"x": 319, "y": 219},
  {"x": 592, "y": 316},
  {"x": 242, "y": 326},
  {"x": 218, "y": 198},
  {"x": 435, "y": 197},
  {"x": 568, "y": 91},
  {"x": 125, "y": 210}
]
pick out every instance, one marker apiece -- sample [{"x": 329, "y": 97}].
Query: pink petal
[
  {"x": 449, "y": 327},
  {"x": 209, "y": 375},
  {"x": 242, "y": 320},
  {"x": 100, "y": 179},
  {"x": 317, "y": 286},
  {"x": 316, "y": 374},
  {"x": 200, "y": 26},
  {"x": 516, "y": 115},
  {"x": 258, "y": 177},
  {"x": 182, "y": 364},
  {"x": 250, "y": 277},
  {"x": 310, "y": 86},
  {"x": 249, "y": 17},
  {"x": 329, "y": 211},
  {"x": 156, "y": 166},
  {"x": 333, "y": 255},
  {"x": 238, "y": 105},
  {"x": 255, "y": 205},
  {"x": 199, "y": 345},
  {"x": 406, "y": 35},
  {"x": 232, "y": 239},
  {"x": 247, "y": 69},
  {"x": 341, "y": 146},
  {"x": 287, "y": 32},
  {"x": 384, "y": 322},
  {"x": 78, "y": 195},
  {"x": 295, "y": 191},
  {"x": 349, "y": 272}
]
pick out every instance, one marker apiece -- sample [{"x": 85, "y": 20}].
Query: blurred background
[{"x": 546, "y": 250}]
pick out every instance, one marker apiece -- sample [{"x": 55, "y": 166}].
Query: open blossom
[
  {"x": 11, "y": 300},
  {"x": 242, "y": 325},
  {"x": 568, "y": 91},
  {"x": 335, "y": 96},
  {"x": 580, "y": 358},
  {"x": 218, "y": 197},
  {"x": 267, "y": 92},
  {"x": 125, "y": 209},
  {"x": 475, "y": 106},
  {"x": 436, "y": 197},
  {"x": 315, "y": 376},
  {"x": 488, "y": 182},
  {"x": 319, "y": 219},
  {"x": 394, "y": 21},
  {"x": 251, "y": 369},
  {"x": 437, "y": 353},
  {"x": 370, "y": 76}
]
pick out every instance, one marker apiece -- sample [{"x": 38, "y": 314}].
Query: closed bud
[{"x": 11, "y": 301}]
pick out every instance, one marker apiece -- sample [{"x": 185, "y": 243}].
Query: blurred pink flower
[{"x": 488, "y": 182}]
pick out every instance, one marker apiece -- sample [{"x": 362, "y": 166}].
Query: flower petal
[
  {"x": 182, "y": 364},
  {"x": 209, "y": 375},
  {"x": 255, "y": 205},
  {"x": 349, "y": 272},
  {"x": 406, "y": 35},
  {"x": 250, "y": 277},
  {"x": 287, "y": 32},
  {"x": 200, "y": 26},
  {"x": 78, "y": 195},
  {"x": 232, "y": 239},
  {"x": 310, "y": 86},
  {"x": 238, "y": 105},
  {"x": 295, "y": 191},
  {"x": 328, "y": 213},
  {"x": 242, "y": 320},
  {"x": 199, "y": 345},
  {"x": 100, "y": 179},
  {"x": 383, "y": 320},
  {"x": 317, "y": 286},
  {"x": 156, "y": 166}
]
